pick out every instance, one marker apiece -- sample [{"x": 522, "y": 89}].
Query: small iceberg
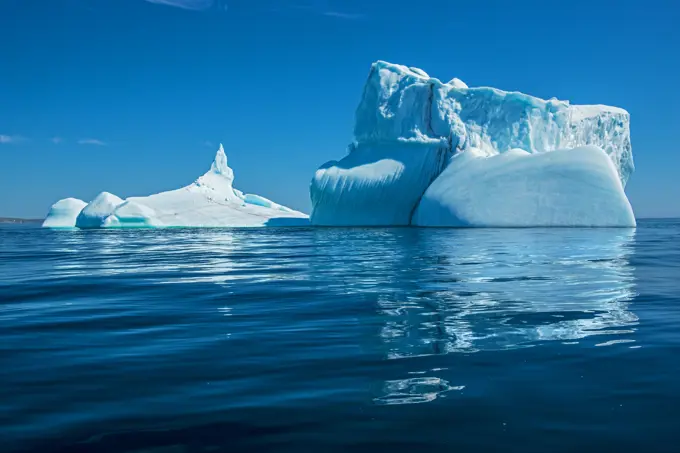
[{"x": 210, "y": 201}]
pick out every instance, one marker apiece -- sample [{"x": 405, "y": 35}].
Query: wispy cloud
[
  {"x": 341, "y": 15},
  {"x": 208, "y": 144},
  {"x": 316, "y": 7},
  {"x": 321, "y": 8},
  {"x": 195, "y": 5},
  {"x": 11, "y": 139},
  {"x": 91, "y": 141},
  {"x": 57, "y": 140}
]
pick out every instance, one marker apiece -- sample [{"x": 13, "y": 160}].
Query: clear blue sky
[{"x": 132, "y": 96}]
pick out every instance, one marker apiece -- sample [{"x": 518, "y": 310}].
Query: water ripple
[{"x": 108, "y": 336}]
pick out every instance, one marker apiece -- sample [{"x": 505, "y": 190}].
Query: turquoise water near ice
[{"x": 301, "y": 339}]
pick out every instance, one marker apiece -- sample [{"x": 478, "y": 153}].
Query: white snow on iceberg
[
  {"x": 576, "y": 187},
  {"x": 63, "y": 213},
  {"x": 211, "y": 201},
  {"x": 410, "y": 126}
]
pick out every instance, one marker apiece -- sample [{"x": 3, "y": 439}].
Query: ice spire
[{"x": 219, "y": 165}]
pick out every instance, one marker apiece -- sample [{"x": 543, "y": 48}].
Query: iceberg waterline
[
  {"x": 429, "y": 153},
  {"x": 210, "y": 201}
]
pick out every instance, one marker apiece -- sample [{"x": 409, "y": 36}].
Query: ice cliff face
[
  {"x": 210, "y": 201},
  {"x": 409, "y": 126},
  {"x": 405, "y": 104}
]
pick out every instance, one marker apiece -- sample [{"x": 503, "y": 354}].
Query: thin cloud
[
  {"x": 91, "y": 141},
  {"x": 208, "y": 144},
  {"x": 194, "y": 5},
  {"x": 11, "y": 139},
  {"x": 345, "y": 16},
  {"x": 57, "y": 140},
  {"x": 318, "y": 8}
]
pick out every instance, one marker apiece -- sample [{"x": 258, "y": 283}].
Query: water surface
[{"x": 294, "y": 339}]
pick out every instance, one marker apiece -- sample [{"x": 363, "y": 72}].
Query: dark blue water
[{"x": 323, "y": 340}]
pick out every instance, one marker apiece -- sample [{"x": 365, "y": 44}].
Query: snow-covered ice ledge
[
  {"x": 429, "y": 153},
  {"x": 211, "y": 201}
]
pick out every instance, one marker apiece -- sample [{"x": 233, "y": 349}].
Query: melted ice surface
[{"x": 575, "y": 187}]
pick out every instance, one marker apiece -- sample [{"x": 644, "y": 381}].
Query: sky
[{"x": 134, "y": 96}]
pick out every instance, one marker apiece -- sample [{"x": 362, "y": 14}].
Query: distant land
[{"x": 17, "y": 220}]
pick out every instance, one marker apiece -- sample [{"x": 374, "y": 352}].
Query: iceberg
[
  {"x": 210, "y": 201},
  {"x": 63, "y": 213},
  {"x": 416, "y": 138}
]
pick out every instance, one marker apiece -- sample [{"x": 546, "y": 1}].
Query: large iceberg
[
  {"x": 211, "y": 201},
  {"x": 429, "y": 153}
]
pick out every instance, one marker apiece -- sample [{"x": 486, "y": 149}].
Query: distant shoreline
[{"x": 18, "y": 220}]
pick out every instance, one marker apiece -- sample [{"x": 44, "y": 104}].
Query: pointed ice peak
[
  {"x": 219, "y": 165},
  {"x": 220, "y": 177}
]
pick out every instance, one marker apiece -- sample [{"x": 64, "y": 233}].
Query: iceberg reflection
[
  {"x": 504, "y": 289},
  {"x": 414, "y": 391}
]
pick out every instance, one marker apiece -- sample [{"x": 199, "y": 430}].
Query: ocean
[{"x": 325, "y": 340}]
